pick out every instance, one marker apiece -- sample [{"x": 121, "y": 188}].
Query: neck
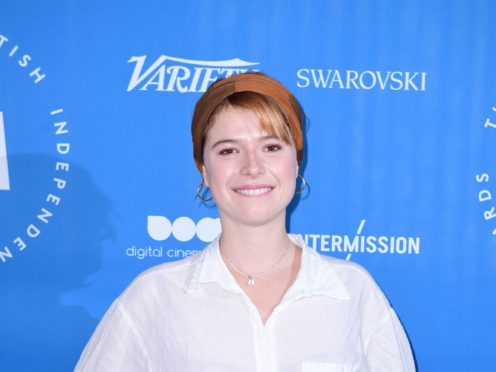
[{"x": 253, "y": 248}]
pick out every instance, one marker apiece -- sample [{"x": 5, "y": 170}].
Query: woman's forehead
[{"x": 236, "y": 121}]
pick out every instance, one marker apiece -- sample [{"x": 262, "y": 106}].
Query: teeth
[{"x": 254, "y": 192}]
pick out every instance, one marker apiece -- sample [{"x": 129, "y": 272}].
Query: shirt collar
[
  {"x": 212, "y": 269},
  {"x": 317, "y": 277}
]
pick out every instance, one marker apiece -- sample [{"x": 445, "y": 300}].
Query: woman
[{"x": 256, "y": 299}]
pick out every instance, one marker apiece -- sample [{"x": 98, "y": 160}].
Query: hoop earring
[
  {"x": 303, "y": 184},
  {"x": 199, "y": 193}
]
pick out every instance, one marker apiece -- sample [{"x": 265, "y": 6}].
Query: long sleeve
[
  {"x": 389, "y": 348},
  {"x": 116, "y": 345}
]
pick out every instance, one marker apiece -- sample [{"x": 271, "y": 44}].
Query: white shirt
[{"x": 192, "y": 316}]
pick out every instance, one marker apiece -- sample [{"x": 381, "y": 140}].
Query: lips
[{"x": 254, "y": 191}]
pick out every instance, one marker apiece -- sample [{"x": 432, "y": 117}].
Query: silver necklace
[{"x": 251, "y": 277}]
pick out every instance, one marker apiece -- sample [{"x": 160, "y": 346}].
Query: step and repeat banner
[{"x": 97, "y": 178}]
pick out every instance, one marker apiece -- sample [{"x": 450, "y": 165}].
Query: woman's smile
[
  {"x": 256, "y": 190},
  {"x": 251, "y": 174}
]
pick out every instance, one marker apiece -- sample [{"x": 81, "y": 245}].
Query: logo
[
  {"x": 171, "y": 74},
  {"x": 486, "y": 198},
  {"x": 13, "y": 242},
  {"x": 343, "y": 246},
  {"x": 365, "y": 80},
  {"x": 183, "y": 230}
]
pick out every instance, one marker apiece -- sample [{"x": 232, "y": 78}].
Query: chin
[{"x": 258, "y": 218}]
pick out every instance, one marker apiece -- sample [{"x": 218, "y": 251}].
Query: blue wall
[{"x": 97, "y": 177}]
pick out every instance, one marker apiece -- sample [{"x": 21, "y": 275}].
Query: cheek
[
  {"x": 216, "y": 175},
  {"x": 290, "y": 167}
]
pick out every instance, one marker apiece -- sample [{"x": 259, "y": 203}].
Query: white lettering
[
  {"x": 24, "y": 61},
  {"x": 53, "y": 199},
  {"x": 383, "y": 83},
  {"x": 181, "y": 78},
  {"x": 363, "y": 244},
  {"x": 372, "y": 82},
  {"x": 3, "y": 39},
  {"x": 490, "y": 214},
  {"x": 489, "y": 124},
  {"x": 61, "y": 128},
  {"x": 350, "y": 79},
  {"x": 484, "y": 195},
  {"x": 33, "y": 231},
  {"x": 398, "y": 80},
  {"x": 63, "y": 148},
  {"x": 5, "y": 253},
  {"x": 367, "y": 80},
  {"x": 409, "y": 80},
  {"x": 45, "y": 214},
  {"x": 423, "y": 80},
  {"x": 336, "y": 77},
  {"x": 175, "y": 78},
  {"x": 157, "y": 79},
  {"x": 484, "y": 177},
  {"x": 13, "y": 51},
  {"x": 60, "y": 183},
  {"x": 20, "y": 243},
  {"x": 62, "y": 166},
  {"x": 39, "y": 76},
  {"x": 300, "y": 74},
  {"x": 320, "y": 80},
  {"x": 4, "y": 167}
]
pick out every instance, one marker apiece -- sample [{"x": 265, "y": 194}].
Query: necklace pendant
[{"x": 251, "y": 281}]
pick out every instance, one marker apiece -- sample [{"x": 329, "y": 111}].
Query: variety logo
[
  {"x": 365, "y": 80},
  {"x": 485, "y": 197},
  {"x": 17, "y": 241},
  {"x": 171, "y": 74}
]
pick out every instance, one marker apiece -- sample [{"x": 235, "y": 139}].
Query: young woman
[{"x": 256, "y": 299}]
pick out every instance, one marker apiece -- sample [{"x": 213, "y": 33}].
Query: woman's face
[{"x": 251, "y": 174}]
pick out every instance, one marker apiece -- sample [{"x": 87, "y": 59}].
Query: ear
[{"x": 204, "y": 176}]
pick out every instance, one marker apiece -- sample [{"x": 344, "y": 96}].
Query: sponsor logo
[
  {"x": 171, "y": 74},
  {"x": 182, "y": 229},
  {"x": 343, "y": 246},
  {"x": 486, "y": 198},
  {"x": 14, "y": 242},
  {"x": 361, "y": 80}
]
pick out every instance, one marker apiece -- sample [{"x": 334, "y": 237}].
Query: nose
[{"x": 252, "y": 164}]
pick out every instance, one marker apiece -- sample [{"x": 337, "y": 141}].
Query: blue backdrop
[{"x": 97, "y": 177}]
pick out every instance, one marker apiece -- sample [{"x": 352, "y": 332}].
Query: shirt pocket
[{"x": 328, "y": 367}]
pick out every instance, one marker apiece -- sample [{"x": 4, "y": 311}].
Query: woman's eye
[
  {"x": 228, "y": 151},
  {"x": 273, "y": 147}
]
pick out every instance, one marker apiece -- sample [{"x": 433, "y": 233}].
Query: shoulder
[
  {"x": 358, "y": 282},
  {"x": 348, "y": 270},
  {"x": 162, "y": 279}
]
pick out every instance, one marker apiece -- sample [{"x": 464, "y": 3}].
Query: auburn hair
[{"x": 279, "y": 113}]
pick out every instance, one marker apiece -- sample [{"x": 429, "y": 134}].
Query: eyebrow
[{"x": 229, "y": 140}]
